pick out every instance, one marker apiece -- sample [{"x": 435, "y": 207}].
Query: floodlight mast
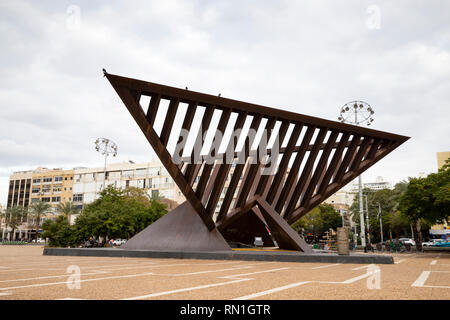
[
  {"x": 365, "y": 112},
  {"x": 105, "y": 147}
]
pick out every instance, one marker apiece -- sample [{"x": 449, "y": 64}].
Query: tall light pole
[
  {"x": 105, "y": 147},
  {"x": 367, "y": 221},
  {"x": 358, "y": 112},
  {"x": 381, "y": 222}
]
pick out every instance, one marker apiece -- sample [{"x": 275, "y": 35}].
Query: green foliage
[
  {"x": 13, "y": 243},
  {"x": 393, "y": 221},
  {"x": 319, "y": 220},
  {"x": 14, "y": 216},
  {"x": 428, "y": 198},
  {"x": 59, "y": 232},
  {"x": 117, "y": 213},
  {"x": 37, "y": 210},
  {"x": 67, "y": 209}
]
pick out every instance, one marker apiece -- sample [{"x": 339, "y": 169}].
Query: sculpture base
[
  {"x": 179, "y": 230},
  {"x": 244, "y": 255}
]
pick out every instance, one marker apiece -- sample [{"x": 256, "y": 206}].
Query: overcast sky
[{"x": 307, "y": 57}]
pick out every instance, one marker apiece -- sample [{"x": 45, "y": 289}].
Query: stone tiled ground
[{"x": 26, "y": 274}]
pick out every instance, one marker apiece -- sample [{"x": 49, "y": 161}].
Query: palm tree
[
  {"x": 37, "y": 209},
  {"x": 14, "y": 217},
  {"x": 3, "y": 216},
  {"x": 67, "y": 209}
]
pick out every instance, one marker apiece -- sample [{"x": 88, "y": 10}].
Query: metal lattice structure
[{"x": 316, "y": 158}]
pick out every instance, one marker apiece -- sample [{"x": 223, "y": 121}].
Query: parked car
[
  {"x": 39, "y": 240},
  {"x": 407, "y": 241},
  {"x": 432, "y": 242},
  {"x": 258, "y": 242},
  {"x": 442, "y": 244}
]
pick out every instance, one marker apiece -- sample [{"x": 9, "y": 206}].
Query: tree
[
  {"x": 392, "y": 220},
  {"x": 14, "y": 217},
  {"x": 37, "y": 210},
  {"x": 428, "y": 199},
  {"x": 118, "y": 213},
  {"x": 59, "y": 232},
  {"x": 319, "y": 220},
  {"x": 67, "y": 209}
]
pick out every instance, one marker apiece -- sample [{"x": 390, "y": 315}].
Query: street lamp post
[
  {"x": 357, "y": 112},
  {"x": 381, "y": 222},
  {"x": 105, "y": 147},
  {"x": 367, "y": 222}
]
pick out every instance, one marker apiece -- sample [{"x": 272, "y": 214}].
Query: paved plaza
[{"x": 26, "y": 274}]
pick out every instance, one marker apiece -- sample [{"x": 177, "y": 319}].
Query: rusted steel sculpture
[{"x": 268, "y": 186}]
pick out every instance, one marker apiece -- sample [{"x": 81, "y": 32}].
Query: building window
[
  {"x": 36, "y": 190},
  {"x": 78, "y": 197},
  {"x": 141, "y": 183},
  {"x": 57, "y": 189},
  {"x": 56, "y": 199},
  {"x": 58, "y": 179},
  {"x": 46, "y": 199},
  {"x": 153, "y": 171},
  {"x": 37, "y": 181},
  {"x": 46, "y": 189},
  {"x": 141, "y": 172},
  {"x": 47, "y": 179},
  {"x": 127, "y": 173}
]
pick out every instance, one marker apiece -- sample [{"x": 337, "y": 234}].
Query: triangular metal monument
[{"x": 287, "y": 164}]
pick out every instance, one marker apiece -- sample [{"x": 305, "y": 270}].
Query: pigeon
[{"x": 219, "y": 94}]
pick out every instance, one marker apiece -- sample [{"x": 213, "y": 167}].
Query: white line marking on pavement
[
  {"x": 236, "y": 278},
  {"x": 400, "y": 261},
  {"x": 327, "y": 266},
  {"x": 7, "y": 293},
  {"x": 359, "y": 277},
  {"x": 95, "y": 272},
  {"x": 86, "y": 280},
  {"x": 421, "y": 279},
  {"x": 362, "y": 267},
  {"x": 202, "y": 272},
  {"x": 433, "y": 262},
  {"x": 2, "y": 267},
  {"x": 263, "y": 293},
  {"x": 144, "y": 266},
  {"x": 296, "y": 284}
]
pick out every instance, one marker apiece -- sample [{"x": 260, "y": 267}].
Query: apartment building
[
  {"x": 150, "y": 176},
  {"x": 378, "y": 184},
  {"x": 19, "y": 188},
  {"x": 82, "y": 185},
  {"x": 52, "y": 185}
]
